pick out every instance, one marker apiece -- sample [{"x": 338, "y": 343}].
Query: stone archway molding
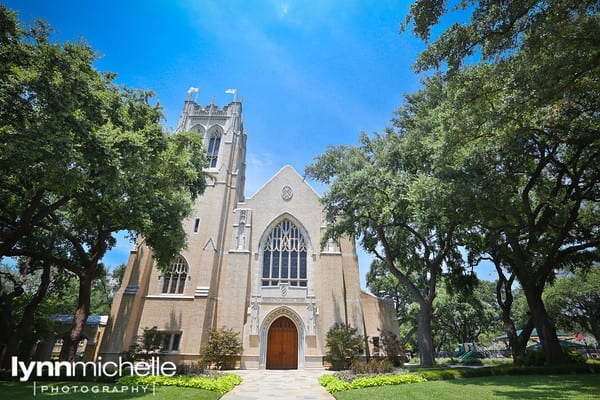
[{"x": 264, "y": 333}]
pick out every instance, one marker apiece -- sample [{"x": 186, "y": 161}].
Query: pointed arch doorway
[{"x": 282, "y": 344}]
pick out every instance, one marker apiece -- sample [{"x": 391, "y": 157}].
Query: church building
[{"x": 252, "y": 264}]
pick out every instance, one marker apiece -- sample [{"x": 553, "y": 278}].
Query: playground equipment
[{"x": 471, "y": 350}]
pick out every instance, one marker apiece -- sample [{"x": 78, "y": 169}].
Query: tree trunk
[
  {"x": 8, "y": 338},
  {"x": 595, "y": 325},
  {"x": 7, "y": 328},
  {"x": 72, "y": 338},
  {"x": 518, "y": 343},
  {"x": 545, "y": 326},
  {"x": 25, "y": 327},
  {"x": 425, "y": 336}
]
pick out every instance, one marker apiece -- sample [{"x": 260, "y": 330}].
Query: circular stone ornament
[{"x": 287, "y": 193}]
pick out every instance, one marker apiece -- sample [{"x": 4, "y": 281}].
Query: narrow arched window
[
  {"x": 284, "y": 256},
  {"x": 214, "y": 143},
  {"x": 173, "y": 278}
]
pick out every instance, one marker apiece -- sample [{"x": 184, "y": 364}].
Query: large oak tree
[
  {"x": 83, "y": 158},
  {"x": 384, "y": 193},
  {"x": 523, "y": 130}
]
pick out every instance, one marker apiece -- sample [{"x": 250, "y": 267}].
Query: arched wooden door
[{"x": 282, "y": 345}]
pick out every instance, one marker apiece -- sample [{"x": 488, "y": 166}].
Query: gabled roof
[{"x": 284, "y": 169}]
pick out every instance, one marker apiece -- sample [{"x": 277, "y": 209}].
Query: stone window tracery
[
  {"x": 284, "y": 256},
  {"x": 214, "y": 143},
  {"x": 173, "y": 278}
]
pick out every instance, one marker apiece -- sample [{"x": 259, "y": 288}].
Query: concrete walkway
[{"x": 279, "y": 385}]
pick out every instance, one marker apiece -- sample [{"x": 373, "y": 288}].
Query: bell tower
[
  {"x": 224, "y": 139},
  {"x": 186, "y": 310}
]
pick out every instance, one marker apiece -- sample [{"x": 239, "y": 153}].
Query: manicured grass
[
  {"x": 22, "y": 391},
  {"x": 559, "y": 387}
]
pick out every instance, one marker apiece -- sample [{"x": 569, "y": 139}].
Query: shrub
[
  {"x": 472, "y": 361},
  {"x": 455, "y": 373},
  {"x": 146, "y": 345},
  {"x": 333, "y": 384},
  {"x": 344, "y": 344},
  {"x": 531, "y": 358},
  {"x": 371, "y": 367},
  {"x": 535, "y": 358},
  {"x": 222, "y": 384},
  {"x": 440, "y": 374},
  {"x": 384, "y": 380},
  {"x": 394, "y": 349},
  {"x": 222, "y": 348},
  {"x": 198, "y": 368},
  {"x": 575, "y": 357}
]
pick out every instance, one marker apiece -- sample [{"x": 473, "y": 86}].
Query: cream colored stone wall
[
  {"x": 379, "y": 316},
  {"x": 223, "y": 287}
]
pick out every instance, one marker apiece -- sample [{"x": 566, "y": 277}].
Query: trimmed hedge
[
  {"x": 333, "y": 384},
  {"x": 222, "y": 385},
  {"x": 454, "y": 373}
]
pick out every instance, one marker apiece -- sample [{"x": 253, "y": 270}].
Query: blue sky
[{"x": 310, "y": 73}]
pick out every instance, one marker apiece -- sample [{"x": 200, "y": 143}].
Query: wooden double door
[{"x": 282, "y": 345}]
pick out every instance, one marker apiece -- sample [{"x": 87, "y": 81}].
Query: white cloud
[{"x": 283, "y": 10}]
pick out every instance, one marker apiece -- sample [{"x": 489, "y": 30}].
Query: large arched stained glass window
[
  {"x": 173, "y": 278},
  {"x": 284, "y": 256},
  {"x": 214, "y": 143}
]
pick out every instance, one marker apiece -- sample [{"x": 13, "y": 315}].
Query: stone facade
[{"x": 249, "y": 263}]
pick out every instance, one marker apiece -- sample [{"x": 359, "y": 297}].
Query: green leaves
[
  {"x": 333, "y": 384},
  {"x": 344, "y": 344},
  {"x": 495, "y": 30},
  {"x": 222, "y": 347},
  {"x": 83, "y": 158},
  {"x": 222, "y": 384},
  {"x": 520, "y": 132}
]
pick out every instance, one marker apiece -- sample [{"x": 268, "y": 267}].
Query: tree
[
  {"x": 118, "y": 273},
  {"x": 82, "y": 159},
  {"x": 64, "y": 289},
  {"x": 37, "y": 292},
  {"x": 384, "y": 193},
  {"x": 21, "y": 302},
  {"x": 465, "y": 317},
  {"x": 151, "y": 199},
  {"x": 49, "y": 102},
  {"x": 523, "y": 130},
  {"x": 488, "y": 246},
  {"x": 574, "y": 301}
]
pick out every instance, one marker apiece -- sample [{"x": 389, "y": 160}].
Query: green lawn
[
  {"x": 556, "y": 387},
  {"x": 21, "y": 391}
]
